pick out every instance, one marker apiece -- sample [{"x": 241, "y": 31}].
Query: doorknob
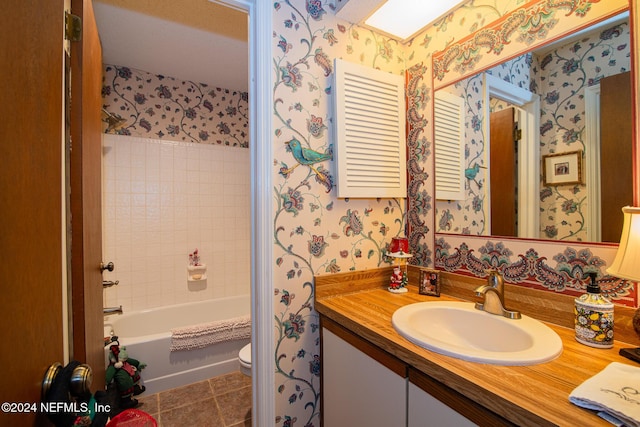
[
  {"x": 77, "y": 378},
  {"x": 108, "y": 267}
]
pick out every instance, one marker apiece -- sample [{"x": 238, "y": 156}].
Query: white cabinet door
[
  {"x": 425, "y": 410},
  {"x": 358, "y": 390}
]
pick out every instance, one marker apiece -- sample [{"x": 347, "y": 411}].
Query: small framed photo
[
  {"x": 429, "y": 282},
  {"x": 562, "y": 168}
]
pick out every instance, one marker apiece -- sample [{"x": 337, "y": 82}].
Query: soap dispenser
[{"x": 594, "y": 317}]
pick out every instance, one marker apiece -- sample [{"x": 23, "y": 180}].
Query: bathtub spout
[{"x": 112, "y": 310}]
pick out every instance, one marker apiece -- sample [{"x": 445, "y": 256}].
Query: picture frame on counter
[{"x": 429, "y": 282}]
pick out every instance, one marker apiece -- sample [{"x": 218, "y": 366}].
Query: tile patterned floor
[{"x": 223, "y": 401}]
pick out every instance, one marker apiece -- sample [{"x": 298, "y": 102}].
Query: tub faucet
[
  {"x": 493, "y": 293},
  {"x": 109, "y": 283},
  {"x": 112, "y": 310}
]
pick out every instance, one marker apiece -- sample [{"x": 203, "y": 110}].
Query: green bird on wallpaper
[
  {"x": 308, "y": 157},
  {"x": 470, "y": 173}
]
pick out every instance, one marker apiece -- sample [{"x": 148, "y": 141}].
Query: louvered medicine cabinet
[{"x": 370, "y": 143}]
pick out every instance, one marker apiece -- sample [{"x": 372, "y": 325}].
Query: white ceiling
[
  {"x": 158, "y": 46},
  {"x": 390, "y": 17}
]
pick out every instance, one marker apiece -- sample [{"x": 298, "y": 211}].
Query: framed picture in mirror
[
  {"x": 562, "y": 168},
  {"x": 429, "y": 282}
]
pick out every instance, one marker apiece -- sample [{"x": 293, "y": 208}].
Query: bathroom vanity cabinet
[
  {"x": 432, "y": 404},
  {"x": 425, "y": 410},
  {"x": 364, "y": 385},
  {"x": 358, "y": 389},
  {"x": 364, "y": 360}
]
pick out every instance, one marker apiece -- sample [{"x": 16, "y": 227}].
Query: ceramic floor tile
[
  {"x": 201, "y": 413},
  {"x": 149, "y": 404},
  {"x": 235, "y": 406},
  {"x": 228, "y": 382},
  {"x": 180, "y": 396},
  {"x": 223, "y": 401}
]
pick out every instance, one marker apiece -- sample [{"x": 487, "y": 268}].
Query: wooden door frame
[
  {"x": 86, "y": 196},
  {"x": 592, "y": 161}
]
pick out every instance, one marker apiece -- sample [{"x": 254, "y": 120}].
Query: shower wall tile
[{"x": 163, "y": 199}]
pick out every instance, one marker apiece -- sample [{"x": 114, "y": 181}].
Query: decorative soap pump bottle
[{"x": 594, "y": 317}]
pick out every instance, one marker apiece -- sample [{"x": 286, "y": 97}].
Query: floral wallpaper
[
  {"x": 314, "y": 231},
  {"x": 562, "y": 76},
  {"x": 562, "y": 269},
  {"x": 161, "y": 107},
  {"x": 515, "y": 30},
  {"x": 317, "y": 233}
]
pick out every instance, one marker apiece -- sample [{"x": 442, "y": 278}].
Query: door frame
[
  {"x": 260, "y": 146},
  {"x": 84, "y": 154},
  {"x": 592, "y": 161},
  {"x": 528, "y": 104}
]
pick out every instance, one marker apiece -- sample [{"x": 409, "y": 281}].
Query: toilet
[{"x": 244, "y": 357}]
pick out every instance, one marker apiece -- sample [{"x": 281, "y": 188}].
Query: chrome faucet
[
  {"x": 112, "y": 310},
  {"x": 493, "y": 293}
]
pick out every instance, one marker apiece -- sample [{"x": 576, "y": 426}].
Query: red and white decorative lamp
[{"x": 399, "y": 251}]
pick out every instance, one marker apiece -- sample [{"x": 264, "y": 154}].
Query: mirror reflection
[{"x": 547, "y": 142}]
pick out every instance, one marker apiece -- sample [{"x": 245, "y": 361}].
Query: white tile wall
[{"x": 162, "y": 200}]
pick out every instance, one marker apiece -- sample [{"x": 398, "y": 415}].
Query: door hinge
[
  {"x": 517, "y": 134},
  {"x": 72, "y": 27}
]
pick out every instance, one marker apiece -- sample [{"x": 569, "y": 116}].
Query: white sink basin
[{"x": 459, "y": 330}]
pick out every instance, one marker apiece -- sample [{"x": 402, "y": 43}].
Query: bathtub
[{"x": 147, "y": 336}]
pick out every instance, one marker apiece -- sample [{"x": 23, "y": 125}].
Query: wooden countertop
[{"x": 535, "y": 395}]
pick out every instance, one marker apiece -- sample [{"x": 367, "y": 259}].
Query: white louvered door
[{"x": 370, "y": 142}]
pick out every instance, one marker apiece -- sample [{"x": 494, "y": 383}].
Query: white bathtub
[{"x": 147, "y": 336}]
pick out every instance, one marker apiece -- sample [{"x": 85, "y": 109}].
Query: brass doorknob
[
  {"x": 49, "y": 376},
  {"x": 79, "y": 377}
]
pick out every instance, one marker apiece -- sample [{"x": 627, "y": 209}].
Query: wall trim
[
  {"x": 592, "y": 161},
  {"x": 260, "y": 125}
]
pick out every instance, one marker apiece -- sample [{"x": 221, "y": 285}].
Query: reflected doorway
[
  {"x": 616, "y": 189},
  {"x": 503, "y": 173}
]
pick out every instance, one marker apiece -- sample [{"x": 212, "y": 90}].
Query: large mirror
[{"x": 548, "y": 142}]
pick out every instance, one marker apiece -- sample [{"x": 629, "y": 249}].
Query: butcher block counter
[{"x": 536, "y": 395}]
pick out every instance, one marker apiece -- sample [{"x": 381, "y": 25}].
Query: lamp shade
[
  {"x": 626, "y": 265},
  {"x": 399, "y": 244}
]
